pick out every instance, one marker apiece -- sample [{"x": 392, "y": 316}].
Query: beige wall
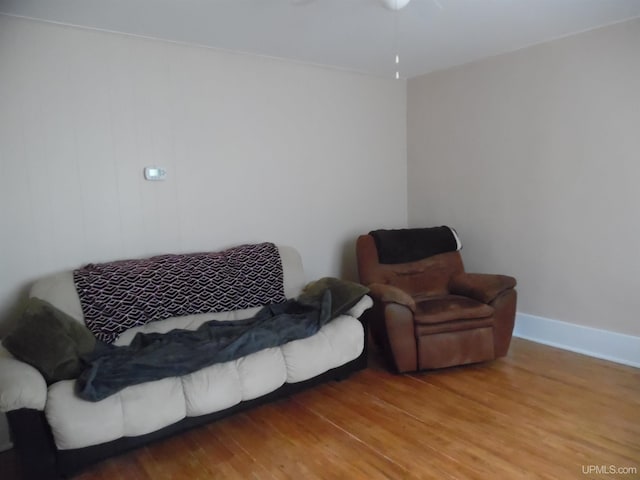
[
  {"x": 535, "y": 157},
  {"x": 256, "y": 150}
]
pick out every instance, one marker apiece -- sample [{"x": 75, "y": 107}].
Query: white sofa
[{"x": 56, "y": 433}]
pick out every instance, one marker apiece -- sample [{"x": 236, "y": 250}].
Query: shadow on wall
[
  {"x": 348, "y": 264},
  {"x": 10, "y": 317}
]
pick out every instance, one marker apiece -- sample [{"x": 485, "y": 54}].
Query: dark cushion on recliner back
[
  {"x": 429, "y": 276},
  {"x": 411, "y": 244}
]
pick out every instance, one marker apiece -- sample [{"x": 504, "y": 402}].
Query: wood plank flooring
[{"x": 539, "y": 413}]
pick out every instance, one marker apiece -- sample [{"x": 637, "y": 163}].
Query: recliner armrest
[
  {"x": 391, "y": 294},
  {"x": 480, "y": 286},
  {"x": 21, "y": 385}
]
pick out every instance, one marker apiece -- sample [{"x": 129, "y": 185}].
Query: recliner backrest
[{"x": 429, "y": 276}]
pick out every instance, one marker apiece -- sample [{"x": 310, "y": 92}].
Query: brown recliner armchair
[{"x": 428, "y": 313}]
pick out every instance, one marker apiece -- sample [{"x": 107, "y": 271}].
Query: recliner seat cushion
[{"x": 446, "y": 308}]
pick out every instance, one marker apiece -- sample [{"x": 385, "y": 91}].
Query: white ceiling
[{"x": 356, "y": 35}]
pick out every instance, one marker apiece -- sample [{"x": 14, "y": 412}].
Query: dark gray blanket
[{"x": 180, "y": 352}]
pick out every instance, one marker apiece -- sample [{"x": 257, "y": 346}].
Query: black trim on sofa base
[
  {"x": 42, "y": 461},
  {"x": 33, "y": 443}
]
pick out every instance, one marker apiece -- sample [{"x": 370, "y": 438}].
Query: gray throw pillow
[
  {"x": 344, "y": 294},
  {"x": 50, "y": 340}
]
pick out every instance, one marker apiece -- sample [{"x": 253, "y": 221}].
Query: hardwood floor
[{"x": 538, "y": 413}]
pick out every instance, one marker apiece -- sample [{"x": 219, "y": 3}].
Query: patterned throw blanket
[{"x": 120, "y": 295}]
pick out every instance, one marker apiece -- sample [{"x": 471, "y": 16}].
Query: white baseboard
[{"x": 616, "y": 347}]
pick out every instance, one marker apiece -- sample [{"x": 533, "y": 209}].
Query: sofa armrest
[
  {"x": 21, "y": 385},
  {"x": 391, "y": 294},
  {"x": 364, "y": 304},
  {"x": 480, "y": 286}
]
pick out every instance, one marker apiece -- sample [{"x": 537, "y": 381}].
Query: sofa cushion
[
  {"x": 50, "y": 340},
  {"x": 337, "y": 343},
  {"x": 73, "y": 420}
]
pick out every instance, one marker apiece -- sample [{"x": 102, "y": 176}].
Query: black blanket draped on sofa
[{"x": 179, "y": 352}]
